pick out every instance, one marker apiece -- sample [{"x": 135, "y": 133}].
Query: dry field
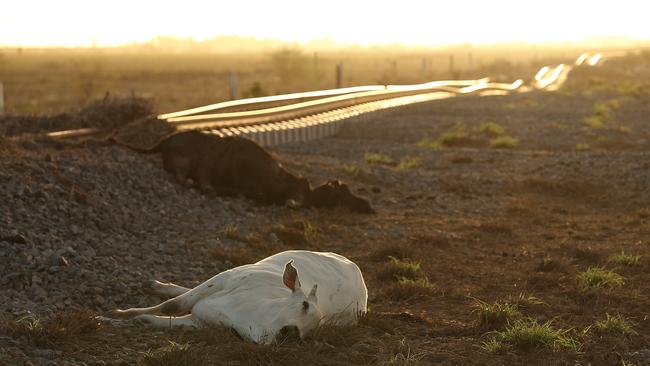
[
  {"x": 53, "y": 81},
  {"x": 511, "y": 230}
]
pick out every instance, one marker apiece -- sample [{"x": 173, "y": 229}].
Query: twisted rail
[{"x": 310, "y": 115}]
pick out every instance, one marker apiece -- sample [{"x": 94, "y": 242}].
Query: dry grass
[
  {"x": 174, "y": 354},
  {"x": 407, "y": 289},
  {"x": 51, "y": 331},
  {"x": 383, "y": 251},
  {"x": 378, "y": 339}
]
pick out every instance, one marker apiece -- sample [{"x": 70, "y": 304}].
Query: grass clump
[
  {"x": 527, "y": 300},
  {"x": 57, "y": 329},
  {"x": 174, "y": 354},
  {"x": 397, "y": 268},
  {"x": 504, "y": 142},
  {"x": 594, "y": 122},
  {"x": 351, "y": 169},
  {"x": 626, "y": 259},
  {"x": 230, "y": 231},
  {"x": 378, "y": 158},
  {"x": 596, "y": 278},
  {"x": 581, "y": 146},
  {"x": 493, "y": 346},
  {"x": 407, "y": 288},
  {"x": 458, "y": 135},
  {"x": 410, "y": 162},
  {"x": 615, "y": 324},
  {"x": 491, "y": 129},
  {"x": 528, "y": 333},
  {"x": 495, "y": 314}
]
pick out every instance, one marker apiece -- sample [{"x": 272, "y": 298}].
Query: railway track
[{"x": 305, "y": 116}]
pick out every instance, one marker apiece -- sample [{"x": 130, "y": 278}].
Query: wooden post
[
  {"x": 339, "y": 75},
  {"x": 2, "y": 101},
  {"x": 232, "y": 77},
  {"x": 470, "y": 61}
]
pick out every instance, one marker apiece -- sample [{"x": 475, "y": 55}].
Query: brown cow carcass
[{"x": 227, "y": 166}]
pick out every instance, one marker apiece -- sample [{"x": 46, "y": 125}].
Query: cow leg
[
  {"x": 167, "y": 322},
  {"x": 203, "y": 179},
  {"x": 165, "y": 289},
  {"x": 179, "y": 166},
  {"x": 179, "y": 305}
]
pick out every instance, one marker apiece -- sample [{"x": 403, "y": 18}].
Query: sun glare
[{"x": 408, "y": 22}]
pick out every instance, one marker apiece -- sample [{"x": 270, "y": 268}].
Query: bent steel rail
[{"x": 317, "y": 114}]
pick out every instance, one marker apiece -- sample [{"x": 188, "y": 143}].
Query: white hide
[{"x": 253, "y": 300}]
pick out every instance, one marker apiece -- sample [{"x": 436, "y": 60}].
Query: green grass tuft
[
  {"x": 229, "y": 231},
  {"x": 626, "y": 259},
  {"x": 410, "y": 162},
  {"x": 351, "y": 169},
  {"x": 502, "y": 142},
  {"x": 397, "y": 268},
  {"x": 493, "y": 346},
  {"x": 491, "y": 129},
  {"x": 615, "y": 324},
  {"x": 378, "y": 158},
  {"x": 528, "y": 333},
  {"x": 496, "y": 314},
  {"x": 596, "y": 278}
]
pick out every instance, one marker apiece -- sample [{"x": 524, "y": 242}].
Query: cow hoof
[{"x": 151, "y": 287}]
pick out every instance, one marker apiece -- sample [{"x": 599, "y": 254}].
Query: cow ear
[
  {"x": 312, "y": 294},
  {"x": 290, "y": 276}
]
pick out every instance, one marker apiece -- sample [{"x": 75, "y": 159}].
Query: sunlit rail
[{"x": 316, "y": 114}]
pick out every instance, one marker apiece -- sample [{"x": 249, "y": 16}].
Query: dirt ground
[{"x": 491, "y": 221}]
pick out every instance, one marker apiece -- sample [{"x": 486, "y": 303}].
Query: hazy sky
[{"x": 77, "y": 22}]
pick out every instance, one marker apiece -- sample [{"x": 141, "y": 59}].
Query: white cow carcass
[{"x": 263, "y": 299}]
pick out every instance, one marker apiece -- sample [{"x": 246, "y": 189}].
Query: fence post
[
  {"x": 232, "y": 77},
  {"x": 2, "y": 101},
  {"x": 339, "y": 75}
]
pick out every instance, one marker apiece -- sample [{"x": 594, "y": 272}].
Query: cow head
[
  {"x": 337, "y": 194},
  {"x": 301, "y": 314}
]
